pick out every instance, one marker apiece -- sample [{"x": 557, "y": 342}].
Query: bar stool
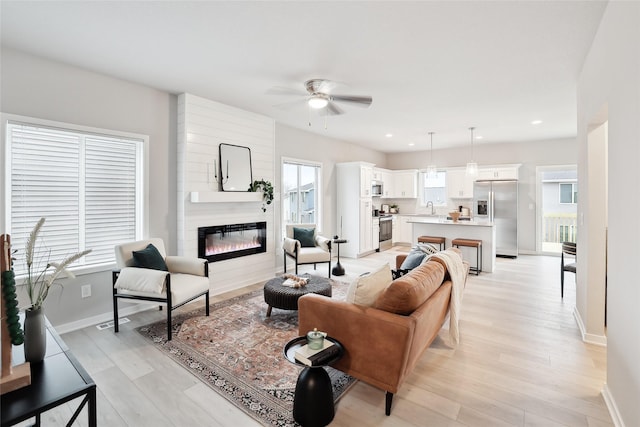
[
  {"x": 432, "y": 239},
  {"x": 471, "y": 243}
]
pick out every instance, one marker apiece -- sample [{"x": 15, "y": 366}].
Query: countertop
[{"x": 435, "y": 219}]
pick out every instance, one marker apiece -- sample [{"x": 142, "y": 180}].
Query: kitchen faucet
[{"x": 433, "y": 212}]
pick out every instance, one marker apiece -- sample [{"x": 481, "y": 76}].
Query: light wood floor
[{"x": 520, "y": 362}]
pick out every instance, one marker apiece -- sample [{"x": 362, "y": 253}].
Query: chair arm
[
  {"x": 377, "y": 343},
  {"x": 186, "y": 265},
  {"x": 290, "y": 245},
  {"x": 324, "y": 243}
]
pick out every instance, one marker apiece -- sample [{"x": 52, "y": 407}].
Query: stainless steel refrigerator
[{"x": 497, "y": 201}]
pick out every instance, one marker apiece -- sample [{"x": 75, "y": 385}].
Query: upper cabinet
[
  {"x": 405, "y": 184},
  {"x": 498, "y": 172},
  {"x": 366, "y": 175},
  {"x": 459, "y": 184}
]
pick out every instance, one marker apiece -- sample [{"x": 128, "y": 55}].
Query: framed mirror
[{"x": 235, "y": 168}]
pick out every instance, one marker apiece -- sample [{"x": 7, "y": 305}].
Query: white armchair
[
  {"x": 303, "y": 252},
  {"x": 170, "y": 280}
]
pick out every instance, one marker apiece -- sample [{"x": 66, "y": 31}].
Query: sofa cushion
[
  {"x": 306, "y": 236},
  {"x": 366, "y": 288},
  {"x": 410, "y": 291}
]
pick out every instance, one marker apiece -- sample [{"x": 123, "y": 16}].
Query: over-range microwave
[{"x": 376, "y": 188}]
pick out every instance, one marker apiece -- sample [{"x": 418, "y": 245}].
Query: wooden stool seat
[
  {"x": 432, "y": 239},
  {"x": 471, "y": 243}
]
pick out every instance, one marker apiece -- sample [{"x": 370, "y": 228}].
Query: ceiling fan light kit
[{"x": 318, "y": 101}]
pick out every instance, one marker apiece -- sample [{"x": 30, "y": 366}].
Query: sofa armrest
[
  {"x": 377, "y": 343},
  {"x": 186, "y": 265},
  {"x": 399, "y": 260},
  {"x": 290, "y": 246}
]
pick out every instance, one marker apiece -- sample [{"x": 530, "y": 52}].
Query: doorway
[{"x": 557, "y": 216}]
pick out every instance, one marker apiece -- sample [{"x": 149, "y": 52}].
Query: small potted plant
[{"x": 267, "y": 192}]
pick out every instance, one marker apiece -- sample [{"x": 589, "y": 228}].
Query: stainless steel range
[{"x": 386, "y": 229}]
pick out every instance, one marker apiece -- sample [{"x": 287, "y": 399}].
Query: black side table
[
  {"x": 313, "y": 401},
  {"x": 338, "y": 270}
]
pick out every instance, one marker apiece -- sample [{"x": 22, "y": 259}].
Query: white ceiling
[{"x": 439, "y": 66}]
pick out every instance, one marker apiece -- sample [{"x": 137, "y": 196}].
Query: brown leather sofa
[{"x": 383, "y": 343}]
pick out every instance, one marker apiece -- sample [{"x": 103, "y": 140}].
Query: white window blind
[{"x": 87, "y": 187}]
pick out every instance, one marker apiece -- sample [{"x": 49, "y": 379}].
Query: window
[
  {"x": 88, "y": 186},
  {"x": 434, "y": 189},
  {"x": 568, "y": 193},
  {"x": 301, "y": 189}
]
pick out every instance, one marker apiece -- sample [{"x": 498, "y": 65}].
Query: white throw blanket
[{"x": 456, "y": 269}]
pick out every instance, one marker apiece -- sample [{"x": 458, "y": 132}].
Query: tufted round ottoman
[{"x": 286, "y": 298}]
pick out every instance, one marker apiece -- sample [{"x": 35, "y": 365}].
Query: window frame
[
  {"x": 422, "y": 176},
  {"x": 318, "y": 194},
  {"x": 142, "y": 175},
  {"x": 574, "y": 191}
]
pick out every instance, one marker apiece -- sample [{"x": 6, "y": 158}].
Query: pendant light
[
  {"x": 472, "y": 166},
  {"x": 432, "y": 170}
]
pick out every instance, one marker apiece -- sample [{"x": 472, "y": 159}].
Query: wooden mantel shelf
[{"x": 225, "y": 196}]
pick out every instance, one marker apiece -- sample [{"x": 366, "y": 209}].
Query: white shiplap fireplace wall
[{"x": 202, "y": 126}]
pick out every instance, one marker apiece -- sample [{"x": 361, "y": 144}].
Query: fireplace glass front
[{"x": 221, "y": 242}]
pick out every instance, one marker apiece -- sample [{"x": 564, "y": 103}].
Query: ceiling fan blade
[
  {"x": 333, "y": 110},
  {"x": 360, "y": 101},
  {"x": 298, "y": 103},
  {"x": 282, "y": 90}
]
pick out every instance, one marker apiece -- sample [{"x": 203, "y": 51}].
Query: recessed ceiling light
[
  {"x": 411, "y": 144},
  {"x": 388, "y": 135},
  {"x": 479, "y": 137},
  {"x": 536, "y": 122}
]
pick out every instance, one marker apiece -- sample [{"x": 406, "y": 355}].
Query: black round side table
[
  {"x": 338, "y": 270},
  {"x": 313, "y": 401}
]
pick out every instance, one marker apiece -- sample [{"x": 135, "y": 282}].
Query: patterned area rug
[{"x": 238, "y": 352}]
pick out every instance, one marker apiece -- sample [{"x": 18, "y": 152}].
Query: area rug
[{"x": 238, "y": 352}]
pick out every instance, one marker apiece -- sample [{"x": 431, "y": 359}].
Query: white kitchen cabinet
[
  {"x": 403, "y": 231},
  {"x": 387, "y": 184},
  {"x": 498, "y": 172},
  {"x": 375, "y": 233},
  {"x": 366, "y": 223},
  {"x": 459, "y": 184},
  {"x": 366, "y": 175},
  {"x": 354, "y": 213},
  {"x": 405, "y": 184},
  {"x": 377, "y": 174}
]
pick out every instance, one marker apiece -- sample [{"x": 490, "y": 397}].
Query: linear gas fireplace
[{"x": 220, "y": 242}]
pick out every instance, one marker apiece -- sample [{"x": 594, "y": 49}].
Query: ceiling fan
[{"x": 319, "y": 97}]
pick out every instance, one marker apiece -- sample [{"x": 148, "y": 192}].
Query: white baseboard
[
  {"x": 594, "y": 339},
  {"x": 101, "y": 318},
  {"x": 612, "y": 407}
]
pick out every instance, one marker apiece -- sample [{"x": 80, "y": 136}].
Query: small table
[
  {"x": 286, "y": 298},
  {"x": 338, "y": 270},
  {"x": 58, "y": 379},
  {"x": 313, "y": 401}
]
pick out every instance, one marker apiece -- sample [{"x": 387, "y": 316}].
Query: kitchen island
[{"x": 480, "y": 230}]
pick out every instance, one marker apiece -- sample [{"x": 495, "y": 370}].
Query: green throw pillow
[
  {"x": 305, "y": 236},
  {"x": 149, "y": 257}
]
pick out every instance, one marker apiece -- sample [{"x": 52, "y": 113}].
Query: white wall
[
  {"x": 35, "y": 87},
  {"x": 610, "y": 78},
  {"x": 529, "y": 154}
]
